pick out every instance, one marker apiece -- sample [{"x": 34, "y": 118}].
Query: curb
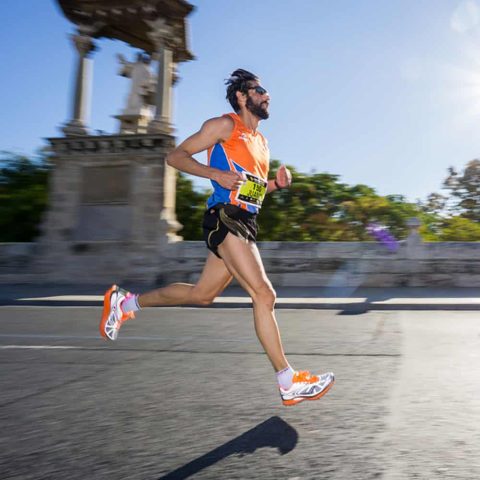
[{"x": 304, "y": 304}]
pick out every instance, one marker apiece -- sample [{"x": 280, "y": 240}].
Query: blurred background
[
  {"x": 375, "y": 107},
  {"x": 374, "y": 251}
]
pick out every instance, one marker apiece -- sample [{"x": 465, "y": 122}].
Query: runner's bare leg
[
  {"x": 214, "y": 279},
  {"x": 244, "y": 262}
]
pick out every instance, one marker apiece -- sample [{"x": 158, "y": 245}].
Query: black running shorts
[{"x": 224, "y": 218}]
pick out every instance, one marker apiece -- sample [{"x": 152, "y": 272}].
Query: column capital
[
  {"x": 84, "y": 44},
  {"x": 162, "y": 34}
]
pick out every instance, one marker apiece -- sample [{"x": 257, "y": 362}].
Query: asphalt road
[{"x": 188, "y": 393}]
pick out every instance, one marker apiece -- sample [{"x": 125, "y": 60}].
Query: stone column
[
  {"x": 164, "y": 38},
  {"x": 81, "y": 100},
  {"x": 161, "y": 35}
]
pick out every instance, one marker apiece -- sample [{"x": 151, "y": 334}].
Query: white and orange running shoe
[
  {"x": 113, "y": 315},
  {"x": 307, "y": 387}
]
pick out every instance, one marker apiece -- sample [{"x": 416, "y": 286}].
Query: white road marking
[
  {"x": 130, "y": 338},
  {"x": 66, "y": 298},
  {"x": 225, "y": 300},
  {"x": 38, "y": 347}
]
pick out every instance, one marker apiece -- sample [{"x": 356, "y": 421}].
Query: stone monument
[{"x": 112, "y": 197}]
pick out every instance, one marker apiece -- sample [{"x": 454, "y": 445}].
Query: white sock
[
  {"x": 285, "y": 377},
  {"x": 130, "y": 304}
]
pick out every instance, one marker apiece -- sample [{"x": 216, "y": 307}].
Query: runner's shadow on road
[{"x": 273, "y": 433}]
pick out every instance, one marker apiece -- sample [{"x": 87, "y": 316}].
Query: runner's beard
[{"x": 257, "y": 110}]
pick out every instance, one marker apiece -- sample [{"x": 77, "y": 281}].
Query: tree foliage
[
  {"x": 459, "y": 229},
  {"x": 465, "y": 190},
  {"x": 317, "y": 207},
  {"x": 190, "y": 207},
  {"x": 23, "y": 196}
]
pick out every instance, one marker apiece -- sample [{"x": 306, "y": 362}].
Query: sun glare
[
  {"x": 462, "y": 78},
  {"x": 465, "y": 17}
]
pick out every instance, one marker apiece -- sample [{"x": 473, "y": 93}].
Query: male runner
[{"x": 238, "y": 163}]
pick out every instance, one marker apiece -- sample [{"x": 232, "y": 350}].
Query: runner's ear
[{"x": 241, "y": 97}]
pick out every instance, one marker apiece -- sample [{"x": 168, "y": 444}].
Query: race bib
[{"x": 253, "y": 191}]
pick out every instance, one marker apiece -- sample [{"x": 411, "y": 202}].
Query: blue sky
[{"x": 381, "y": 93}]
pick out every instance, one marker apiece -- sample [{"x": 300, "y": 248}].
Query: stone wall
[
  {"x": 325, "y": 264},
  {"x": 17, "y": 258},
  {"x": 353, "y": 264}
]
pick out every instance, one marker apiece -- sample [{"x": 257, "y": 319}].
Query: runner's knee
[
  {"x": 265, "y": 295},
  {"x": 202, "y": 298}
]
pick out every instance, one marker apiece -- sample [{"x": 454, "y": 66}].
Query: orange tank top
[{"x": 245, "y": 152}]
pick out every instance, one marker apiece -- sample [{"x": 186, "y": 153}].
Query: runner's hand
[
  {"x": 284, "y": 177},
  {"x": 230, "y": 180}
]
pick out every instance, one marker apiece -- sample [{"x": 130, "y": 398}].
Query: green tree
[
  {"x": 465, "y": 190},
  {"x": 318, "y": 207},
  {"x": 436, "y": 204},
  {"x": 302, "y": 212},
  {"x": 431, "y": 226},
  {"x": 399, "y": 211},
  {"x": 190, "y": 207},
  {"x": 459, "y": 229},
  {"x": 23, "y": 196},
  {"x": 433, "y": 213}
]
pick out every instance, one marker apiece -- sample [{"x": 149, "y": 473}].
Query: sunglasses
[{"x": 258, "y": 89}]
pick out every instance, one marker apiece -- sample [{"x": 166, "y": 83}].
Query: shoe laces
[{"x": 304, "y": 376}]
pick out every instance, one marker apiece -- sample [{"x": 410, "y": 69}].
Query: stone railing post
[{"x": 414, "y": 240}]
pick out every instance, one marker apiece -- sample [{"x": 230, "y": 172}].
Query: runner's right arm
[{"x": 213, "y": 131}]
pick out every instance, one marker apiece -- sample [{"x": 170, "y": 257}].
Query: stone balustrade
[{"x": 326, "y": 264}]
